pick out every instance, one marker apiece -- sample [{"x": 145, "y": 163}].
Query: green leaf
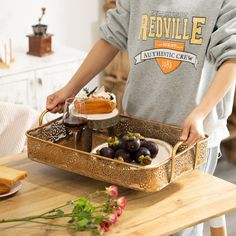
[
  {"x": 81, "y": 202},
  {"x": 98, "y": 219},
  {"x": 83, "y": 208},
  {"x": 83, "y": 222},
  {"x": 59, "y": 212}
]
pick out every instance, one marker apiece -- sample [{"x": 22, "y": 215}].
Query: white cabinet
[
  {"x": 31, "y": 79},
  {"x": 51, "y": 79},
  {"x": 18, "y": 89}
]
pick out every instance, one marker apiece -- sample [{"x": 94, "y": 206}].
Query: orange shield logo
[{"x": 168, "y": 65}]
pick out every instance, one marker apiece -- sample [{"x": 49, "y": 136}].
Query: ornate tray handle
[
  {"x": 42, "y": 116},
  {"x": 174, "y": 152}
]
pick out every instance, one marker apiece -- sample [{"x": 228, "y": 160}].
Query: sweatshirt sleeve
[
  {"x": 116, "y": 26},
  {"x": 222, "y": 45}
]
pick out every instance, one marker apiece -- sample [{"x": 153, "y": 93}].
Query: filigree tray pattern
[{"x": 48, "y": 144}]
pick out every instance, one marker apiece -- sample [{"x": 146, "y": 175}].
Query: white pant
[{"x": 209, "y": 167}]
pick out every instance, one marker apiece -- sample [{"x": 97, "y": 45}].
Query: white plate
[
  {"x": 13, "y": 190},
  {"x": 165, "y": 151},
  {"x": 112, "y": 114}
]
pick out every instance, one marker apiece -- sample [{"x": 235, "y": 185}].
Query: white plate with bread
[
  {"x": 10, "y": 180},
  {"x": 9, "y": 190}
]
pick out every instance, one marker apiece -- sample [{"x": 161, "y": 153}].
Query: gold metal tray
[{"x": 52, "y": 144}]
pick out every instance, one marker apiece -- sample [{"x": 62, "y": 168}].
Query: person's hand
[
  {"x": 193, "y": 130},
  {"x": 55, "y": 102}
]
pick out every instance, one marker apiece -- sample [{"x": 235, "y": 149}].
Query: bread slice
[
  {"x": 95, "y": 106},
  {"x": 4, "y": 188},
  {"x": 9, "y": 176}
]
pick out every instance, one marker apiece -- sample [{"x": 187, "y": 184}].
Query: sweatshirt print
[{"x": 175, "y": 48}]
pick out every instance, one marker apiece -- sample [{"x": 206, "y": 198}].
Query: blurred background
[{"x": 74, "y": 23}]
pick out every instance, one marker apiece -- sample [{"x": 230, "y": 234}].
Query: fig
[
  {"x": 123, "y": 155},
  {"x": 106, "y": 152},
  {"x": 143, "y": 156},
  {"x": 151, "y": 146},
  {"x": 115, "y": 143}
]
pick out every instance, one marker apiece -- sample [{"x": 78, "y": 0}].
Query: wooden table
[{"x": 194, "y": 198}]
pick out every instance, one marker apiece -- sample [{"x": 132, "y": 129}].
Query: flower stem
[
  {"x": 30, "y": 218},
  {"x": 20, "y": 219},
  {"x": 45, "y": 223},
  {"x": 54, "y": 209},
  {"x": 84, "y": 216}
]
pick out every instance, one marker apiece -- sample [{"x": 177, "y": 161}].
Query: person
[
  {"x": 183, "y": 66},
  {"x": 229, "y": 144}
]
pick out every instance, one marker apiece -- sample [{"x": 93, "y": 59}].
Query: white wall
[{"x": 74, "y": 23}]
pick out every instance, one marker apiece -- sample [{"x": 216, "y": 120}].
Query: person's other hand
[
  {"x": 193, "y": 130},
  {"x": 55, "y": 102}
]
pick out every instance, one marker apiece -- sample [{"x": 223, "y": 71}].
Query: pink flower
[
  {"x": 112, "y": 218},
  {"x": 112, "y": 191},
  {"x": 119, "y": 211},
  {"x": 122, "y": 202},
  {"x": 105, "y": 226}
]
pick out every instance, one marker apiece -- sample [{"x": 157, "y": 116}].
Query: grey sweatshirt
[{"x": 175, "y": 48}]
